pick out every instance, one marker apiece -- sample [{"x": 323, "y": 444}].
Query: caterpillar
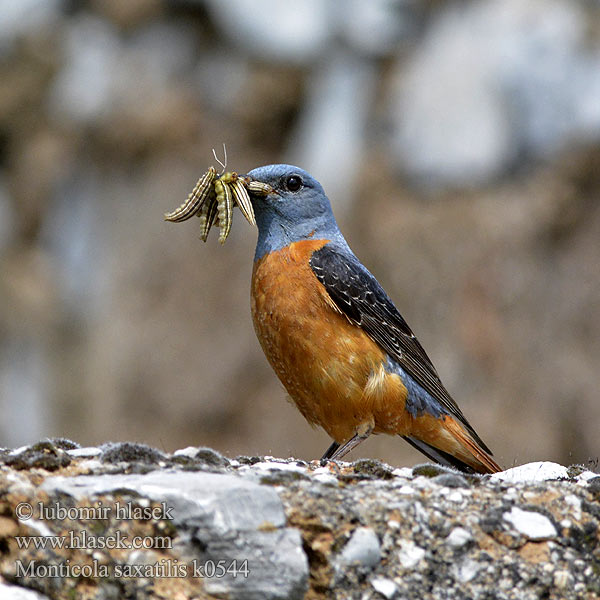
[{"x": 213, "y": 199}]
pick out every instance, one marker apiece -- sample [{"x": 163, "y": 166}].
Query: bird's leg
[
  {"x": 330, "y": 451},
  {"x": 337, "y": 451},
  {"x": 354, "y": 441}
]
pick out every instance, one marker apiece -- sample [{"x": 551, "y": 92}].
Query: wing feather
[{"x": 360, "y": 297}]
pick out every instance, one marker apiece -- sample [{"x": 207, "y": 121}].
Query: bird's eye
[{"x": 293, "y": 183}]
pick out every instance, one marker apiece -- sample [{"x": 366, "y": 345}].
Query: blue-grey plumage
[{"x": 290, "y": 215}]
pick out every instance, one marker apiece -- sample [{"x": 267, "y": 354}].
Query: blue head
[{"x": 297, "y": 209}]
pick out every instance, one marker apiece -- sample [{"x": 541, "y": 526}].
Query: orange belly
[{"x": 331, "y": 369}]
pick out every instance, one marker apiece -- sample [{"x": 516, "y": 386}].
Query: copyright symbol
[{"x": 24, "y": 511}]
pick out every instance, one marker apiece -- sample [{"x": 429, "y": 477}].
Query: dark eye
[{"x": 293, "y": 183}]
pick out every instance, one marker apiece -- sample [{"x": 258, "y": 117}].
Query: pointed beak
[{"x": 257, "y": 187}]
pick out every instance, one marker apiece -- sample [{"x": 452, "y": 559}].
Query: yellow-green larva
[
  {"x": 213, "y": 199},
  {"x": 195, "y": 200},
  {"x": 242, "y": 199},
  {"x": 225, "y": 205},
  {"x": 207, "y": 218}
]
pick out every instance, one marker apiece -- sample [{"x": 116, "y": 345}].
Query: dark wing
[{"x": 360, "y": 297}]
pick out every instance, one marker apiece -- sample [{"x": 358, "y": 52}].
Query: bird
[{"x": 345, "y": 355}]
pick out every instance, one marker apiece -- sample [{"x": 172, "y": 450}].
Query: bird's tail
[{"x": 456, "y": 448}]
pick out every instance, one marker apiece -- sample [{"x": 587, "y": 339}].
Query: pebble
[
  {"x": 466, "y": 571},
  {"x": 410, "y": 554},
  {"x": 459, "y": 537},
  {"x": 386, "y": 587},
  {"x": 531, "y": 524},
  {"x": 363, "y": 548},
  {"x": 535, "y": 471},
  {"x": 84, "y": 452}
]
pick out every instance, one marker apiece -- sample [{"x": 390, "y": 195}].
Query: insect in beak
[{"x": 213, "y": 199}]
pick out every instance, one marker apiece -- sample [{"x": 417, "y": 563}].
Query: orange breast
[{"x": 330, "y": 368}]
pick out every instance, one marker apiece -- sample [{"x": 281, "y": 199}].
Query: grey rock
[
  {"x": 205, "y": 459},
  {"x": 362, "y": 548},
  {"x": 220, "y": 503},
  {"x": 44, "y": 455},
  {"x": 64, "y": 443},
  {"x": 451, "y": 480},
  {"x": 432, "y": 470},
  {"x": 222, "y": 519},
  {"x": 89, "y": 452},
  {"x": 282, "y": 528},
  {"x": 594, "y": 486},
  {"x": 131, "y": 453},
  {"x": 493, "y": 81},
  {"x": 277, "y": 565}
]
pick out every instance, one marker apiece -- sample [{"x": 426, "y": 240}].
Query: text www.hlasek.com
[{"x": 84, "y": 541}]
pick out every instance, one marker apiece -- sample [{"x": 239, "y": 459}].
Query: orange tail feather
[{"x": 470, "y": 452}]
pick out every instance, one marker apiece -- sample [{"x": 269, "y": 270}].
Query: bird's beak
[{"x": 257, "y": 187}]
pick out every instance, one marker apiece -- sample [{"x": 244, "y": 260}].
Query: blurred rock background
[{"x": 459, "y": 143}]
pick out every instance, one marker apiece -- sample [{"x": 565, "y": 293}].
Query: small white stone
[
  {"x": 410, "y": 554},
  {"x": 562, "y": 579},
  {"x": 584, "y": 477},
  {"x": 386, "y": 587},
  {"x": 466, "y": 571},
  {"x": 321, "y": 471},
  {"x": 93, "y": 465},
  {"x": 566, "y": 523},
  {"x": 86, "y": 452},
  {"x": 279, "y": 466},
  {"x": 407, "y": 490},
  {"x": 459, "y": 537},
  {"x": 535, "y": 471},
  {"x": 455, "y": 496},
  {"x": 402, "y": 472},
  {"x": 189, "y": 451},
  {"x": 531, "y": 524},
  {"x": 326, "y": 478}
]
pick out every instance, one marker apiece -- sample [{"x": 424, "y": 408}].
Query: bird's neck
[{"x": 275, "y": 233}]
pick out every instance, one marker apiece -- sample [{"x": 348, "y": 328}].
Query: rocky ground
[{"x": 263, "y": 528}]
